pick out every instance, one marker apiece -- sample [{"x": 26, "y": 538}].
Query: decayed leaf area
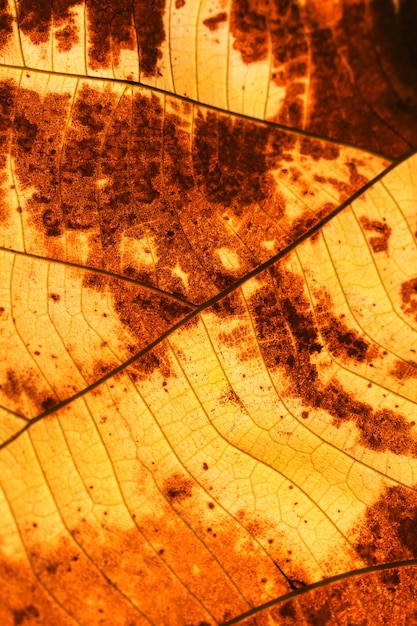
[{"x": 208, "y": 321}]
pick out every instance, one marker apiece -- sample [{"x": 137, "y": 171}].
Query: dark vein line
[
  {"x": 321, "y": 583},
  {"x": 97, "y": 270},
  {"x": 287, "y": 129},
  {"x": 205, "y": 305}
]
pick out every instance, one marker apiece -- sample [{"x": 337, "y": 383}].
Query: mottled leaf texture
[{"x": 208, "y": 313}]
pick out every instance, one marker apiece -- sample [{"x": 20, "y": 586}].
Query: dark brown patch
[
  {"x": 29, "y": 613},
  {"x": 150, "y": 33},
  {"x": 55, "y": 297},
  {"x": 287, "y": 610},
  {"x": 289, "y": 339},
  {"x": 145, "y": 314},
  {"x": 232, "y": 158},
  {"x": 178, "y": 488},
  {"x": 257, "y": 27},
  {"x": 379, "y": 243},
  {"x": 6, "y": 21},
  {"x": 212, "y": 23},
  {"x": 388, "y": 532},
  {"x": 249, "y": 29},
  {"x": 38, "y": 134},
  {"x": 409, "y": 297},
  {"x": 36, "y": 20},
  {"x": 66, "y": 32},
  {"x": 228, "y": 306},
  {"x": 148, "y": 363},
  {"x": 342, "y": 342},
  {"x": 20, "y": 387},
  {"x": 8, "y": 92},
  {"x": 319, "y": 149},
  {"x": 110, "y": 30},
  {"x": 179, "y": 4},
  {"x": 80, "y": 161},
  {"x": 383, "y": 117},
  {"x": 373, "y": 103},
  {"x": 350, "y": 601},
  {"x": 404, "y": 370}
]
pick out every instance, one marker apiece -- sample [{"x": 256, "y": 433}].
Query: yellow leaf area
[{"x": 208, "y": 347}]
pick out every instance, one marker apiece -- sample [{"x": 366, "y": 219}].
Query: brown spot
[
  {"x": 179, "y": 4},
  {"x": 287, "y": 610},
  {"x": 36, "y": 19},
  {"x": 344, "y": 343},
  {"x": 212, "y": 23},
  {"x": 409, "y": 297},
  {"x": 289, "y": 339},
  {"x": 319, "y": 149},
  {"x": 231, "y": 396},
  {"x": 101, "y": 368},
  {"x": 380, "y": 243},
  {"x": 150, "y": 33},
  {"x": 7, "y": 103},
  {"x": 232, "y": 160},
  {"x": 350, "y": 601},
  {"x": 6, "y": 21},
  {"x": 404, "y": 370},
  {"x": 55, "y": 297},
  {"x": 388, "y": 532},
  {"x": 48, "y": 404},
  {"x": 29, "y": 613},
  {"x": 38, "y": 132},
  {"x": 205, "y": 466},
  {"x": 249, "y": 29},
  {"x": 150, "y": 362},
  {"x": 178, "y": 488},
  {"x": 110, "y": 30},
  {"x": 22, "y": 387}
]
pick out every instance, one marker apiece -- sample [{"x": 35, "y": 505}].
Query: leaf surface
[{"x": 207, "y": 320}]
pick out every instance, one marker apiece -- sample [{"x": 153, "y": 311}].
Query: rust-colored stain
[
  {"x": 289, "y": 338},
  {"x": 378, "y": 243},
  {"x": 164, "y": 171},
  {"x": 349, "y": 601},
  {"x": 150, "y": 33},
  {"x": 409, "y": 297},
  {"x": 213, "y": 23},
  {"x": 315, "y": 44},
  {"x": 388, "y": 532},
  {"x": 341, "y": 341},
  {"x": 36, "y": 20},
  {"x": 153, "y": 361},
  {"x": 6, "y": 21},
  {"x": 177, "y": 488},
  {"x": 7, "y": 103},
  {"x": 110, "y": 30},
  {"x": 403, "y": 370},
  {"x": 19, "y": 387}
]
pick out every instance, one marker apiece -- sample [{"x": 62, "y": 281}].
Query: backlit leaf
[{"x": 208, "y": 313}]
